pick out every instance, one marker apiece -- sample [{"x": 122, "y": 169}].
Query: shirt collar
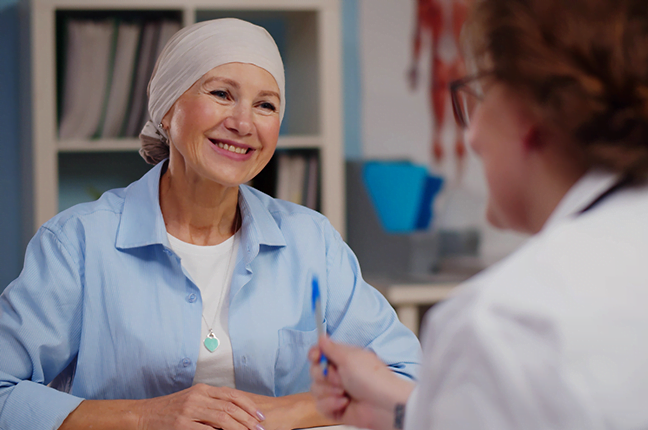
[
  {"x": 142, "y": 222},
  {"x": 258, "y": 222},
  {"x": 587, "y": 189}
]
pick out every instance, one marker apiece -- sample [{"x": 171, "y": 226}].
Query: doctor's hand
[
  {"x": 359, "y": 389},
  {"x": 201, "y": 407}
]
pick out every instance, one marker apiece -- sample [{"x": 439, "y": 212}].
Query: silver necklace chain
[
  {"x": 212, "y": 342},
  {"x": 222, "y": 294}
]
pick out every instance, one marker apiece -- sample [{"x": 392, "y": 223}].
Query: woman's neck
[{"x": 197, "y": 210}]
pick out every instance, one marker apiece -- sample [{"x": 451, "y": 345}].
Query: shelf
[
  {"x": 83, "y": 176},
  {"x": 299, "y": 142},
  {"x": 103, "y": 145},
  {"x": 110, "y": 145},
  {"x": 279, "y": 5}
]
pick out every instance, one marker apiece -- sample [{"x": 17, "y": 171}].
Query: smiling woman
[{"x": 184, "y": 300}]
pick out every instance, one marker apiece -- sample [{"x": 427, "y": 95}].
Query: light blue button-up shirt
[{"x": 104, "y": 310}]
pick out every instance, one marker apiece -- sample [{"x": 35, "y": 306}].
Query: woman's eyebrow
[
  {"x": 225, "y": 80},
  {"x": 233, "y": 83},
  {"x": 269, "y": 94}
]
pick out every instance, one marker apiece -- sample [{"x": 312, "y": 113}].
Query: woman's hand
[
  {"x": 201, "y": 407},
  {"x": 359, "y": 389},
  {"x": 289, "y": 412}
]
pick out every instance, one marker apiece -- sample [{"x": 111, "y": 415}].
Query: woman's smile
[{"x": 231, "y": 149}]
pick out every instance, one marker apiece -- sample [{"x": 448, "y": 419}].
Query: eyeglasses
[{"x": 466, "y": 93}]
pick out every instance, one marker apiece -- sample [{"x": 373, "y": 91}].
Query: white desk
[{"x": 407, "y": 296}]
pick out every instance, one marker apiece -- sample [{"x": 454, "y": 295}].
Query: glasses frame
[{"x": 462, "y": 85}]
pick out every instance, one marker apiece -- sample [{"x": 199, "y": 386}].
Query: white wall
[{"x": 396, "y": 122}]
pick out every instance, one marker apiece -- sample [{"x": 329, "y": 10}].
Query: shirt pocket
[{"x": 292, "y": 366}]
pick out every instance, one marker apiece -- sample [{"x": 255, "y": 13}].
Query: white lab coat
[{"x": 553, "y": 337}]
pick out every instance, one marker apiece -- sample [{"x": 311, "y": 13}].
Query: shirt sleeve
[
  {"x": 40, "y": 320},
  {"x": 358, "y": 314},
  {"x": 492, "y": 367}
]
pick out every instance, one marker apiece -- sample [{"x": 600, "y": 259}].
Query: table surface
[{"x": 338, "y": 427}]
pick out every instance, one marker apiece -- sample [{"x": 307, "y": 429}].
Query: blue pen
[{"x": 317, "y": 308}]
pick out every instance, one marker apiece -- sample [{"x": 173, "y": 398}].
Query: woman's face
[
  {"x": 225, "y": 127},
  {"x": 497, "y": 132}
]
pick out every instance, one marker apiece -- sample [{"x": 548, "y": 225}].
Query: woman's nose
[{"x": 239, "y": 121}]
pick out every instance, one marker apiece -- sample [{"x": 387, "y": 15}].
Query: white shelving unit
[{"x": 313, "y": 89}]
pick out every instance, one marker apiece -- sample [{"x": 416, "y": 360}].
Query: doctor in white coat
[{"x": 556, "y": 335}]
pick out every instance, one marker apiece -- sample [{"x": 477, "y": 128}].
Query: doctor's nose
[{"x": 239, "y": 121}]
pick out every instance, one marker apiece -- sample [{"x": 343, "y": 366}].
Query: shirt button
[
  {"x": 185, "y": 362},
  {"x": 244, "y": 359},
  {"x": 167, "y": 251},
  {"x": 191, "y": 298}
]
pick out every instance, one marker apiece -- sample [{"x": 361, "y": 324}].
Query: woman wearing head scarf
[
  {"x": 184, "y": 300},
  {"x": 556, "y": 335}
]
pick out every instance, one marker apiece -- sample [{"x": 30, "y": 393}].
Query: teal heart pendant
[{"x": 211, "y": 342}]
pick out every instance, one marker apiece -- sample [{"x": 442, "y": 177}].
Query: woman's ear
[{"x": 166, "y": 119}]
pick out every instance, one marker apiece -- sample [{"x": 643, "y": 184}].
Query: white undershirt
[{"x": 211, "y": 268}]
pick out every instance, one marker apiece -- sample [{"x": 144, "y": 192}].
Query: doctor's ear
[{"x": 533, "y": 139}]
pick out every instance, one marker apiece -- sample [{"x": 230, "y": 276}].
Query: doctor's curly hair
[{"x": 582, "y": 65}]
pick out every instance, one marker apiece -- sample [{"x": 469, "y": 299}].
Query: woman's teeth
[{"x": 232, "y": 148}]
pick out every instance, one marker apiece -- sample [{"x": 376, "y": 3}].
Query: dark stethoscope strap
[{"x": 626, "y": 180}]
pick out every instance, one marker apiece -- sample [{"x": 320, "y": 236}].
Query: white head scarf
[{"x": 194, "y": 51}]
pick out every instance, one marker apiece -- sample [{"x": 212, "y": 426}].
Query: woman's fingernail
[
  {"x": 258, "y": 427},
  {"x": 261, "y": 417}
]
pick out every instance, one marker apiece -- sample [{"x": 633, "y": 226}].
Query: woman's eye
[
  {"x": 219, "y": 93},
  {"x": 268, "y": 106}
]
